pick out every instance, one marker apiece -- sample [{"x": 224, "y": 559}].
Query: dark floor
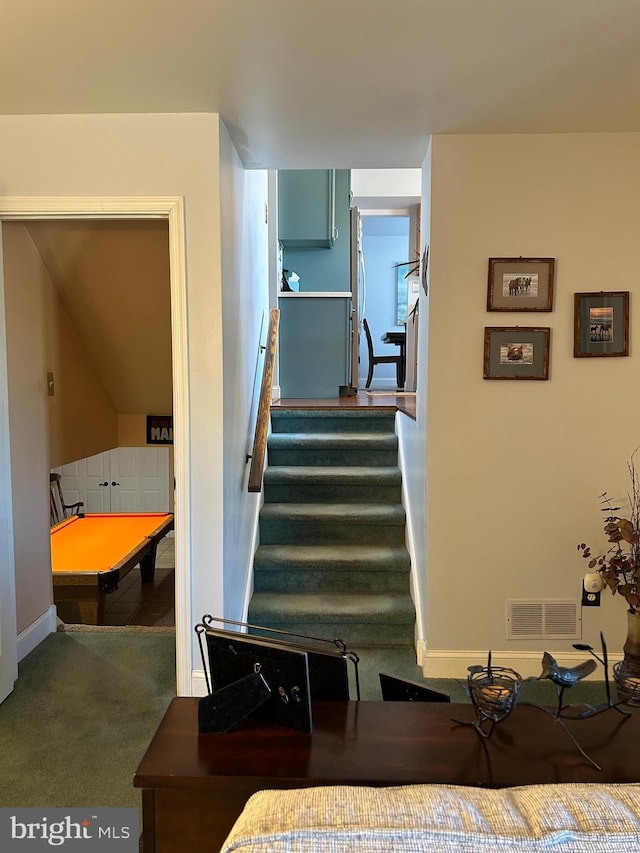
[
  {"x": 135, "y": 603},
  {"x": 400, "y": 400}
]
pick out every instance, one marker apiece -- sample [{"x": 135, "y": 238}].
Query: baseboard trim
[
  {"x": 37, "y": 632},
  {"x": 198, "y": 683},
  {"x": 453, "y": 663}
]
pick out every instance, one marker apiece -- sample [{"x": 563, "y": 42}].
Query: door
[
  {"x": 139, "y": 479},
  {"x": 126, "y": 479}
]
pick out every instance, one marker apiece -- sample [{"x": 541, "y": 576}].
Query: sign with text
[
  {"x": 159, "y": 429},
  {"x": 112, "y": 830}
]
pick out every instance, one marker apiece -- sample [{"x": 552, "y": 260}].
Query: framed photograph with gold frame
[
  {"x": 520, "y": 284},
  {"x": 601, "y": 324},
  {"x": 516, "y": 352}
]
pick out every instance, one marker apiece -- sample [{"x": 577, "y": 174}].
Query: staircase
[{"x": 332, "y": 559}]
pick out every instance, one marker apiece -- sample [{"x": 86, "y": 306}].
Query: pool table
[{"x": 92, "y": 552}]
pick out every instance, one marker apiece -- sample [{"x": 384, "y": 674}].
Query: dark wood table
[
  {"x": 195, "y": 786},
  {"x": 399, "y": 339}
]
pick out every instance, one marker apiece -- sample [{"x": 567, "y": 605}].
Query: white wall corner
[{"x": 38, "y": 631}]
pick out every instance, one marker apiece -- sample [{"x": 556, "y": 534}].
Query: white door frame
[
  {"x": 8, "y": 629},
  {"x": 170, "y": 208}
]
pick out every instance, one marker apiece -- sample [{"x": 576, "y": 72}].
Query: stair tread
[
  {"x": 327, "y": 553},
  {"x": 336, "y": 473},
  {"x": 333, "y": 438},
  {"x": 327, "y": 607},
  {"x": 324, "y": 512}
]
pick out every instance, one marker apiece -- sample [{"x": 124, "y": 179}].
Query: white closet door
[
  {"x": 126, "y": 479},
  {"x": 88, "y": 480},
  {"x": 155, "y": 494},
  {"x": 140, "y": 479}
]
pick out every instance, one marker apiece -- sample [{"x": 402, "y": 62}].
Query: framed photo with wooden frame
[
  {"x": 601, "y": 324},
  {"x": 516, "y": 352},
  {"x": 520, "y": 284}
]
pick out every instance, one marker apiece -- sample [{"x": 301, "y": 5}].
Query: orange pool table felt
[{"x": 92, "y": 552}]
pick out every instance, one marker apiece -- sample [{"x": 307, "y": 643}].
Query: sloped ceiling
[
  {"x": 113, "y": 278},
  {"x": 331, "y": 83}
]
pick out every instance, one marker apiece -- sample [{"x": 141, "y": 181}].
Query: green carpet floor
[
  {"x": 86, "y": 705},
  {"x": 81, "y": 716}
]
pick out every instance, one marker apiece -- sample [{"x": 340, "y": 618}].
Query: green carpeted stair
[{"x": 332, "y": 559}]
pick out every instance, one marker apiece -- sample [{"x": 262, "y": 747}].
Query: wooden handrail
[{"x": 264, "y": 405}]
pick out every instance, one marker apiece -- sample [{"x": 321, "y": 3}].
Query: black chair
[{"x": 381, "y": 359}]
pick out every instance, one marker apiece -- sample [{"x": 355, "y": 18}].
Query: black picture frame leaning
[
  {"x": 601, "y": 324},
  {"x": 516, "y": 352}
]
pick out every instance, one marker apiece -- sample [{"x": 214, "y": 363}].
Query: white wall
[
  {"x": 515, "y": 468},
  {"x": 245, "y": 311},
  {"x": 151, "y": 155},
  {"x": 385, "y": 182}
]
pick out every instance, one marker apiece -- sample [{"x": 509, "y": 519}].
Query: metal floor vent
[{"x": 555, "y": 620}]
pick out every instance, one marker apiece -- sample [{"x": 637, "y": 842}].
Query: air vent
[{"x": 537, "y": 619}]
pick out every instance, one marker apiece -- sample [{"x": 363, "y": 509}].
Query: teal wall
[{"x": 326, "y": 269}]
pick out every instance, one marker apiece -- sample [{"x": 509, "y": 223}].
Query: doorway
[{"x": 136, "y": 209}]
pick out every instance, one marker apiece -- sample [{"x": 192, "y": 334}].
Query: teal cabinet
[
  {"x": 306, "y": 208},
  {"x": 314, "y": 344}
]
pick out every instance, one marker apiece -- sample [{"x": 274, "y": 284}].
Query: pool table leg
[{"x": 148, "y": 564}]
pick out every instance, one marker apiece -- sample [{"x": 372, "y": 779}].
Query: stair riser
[
  {"x": 322, "y": 580},
  {"x": 302, "y": 532},
  {"x": 356, "y": 635},
  {"x": 331, "y": 456},
  {"x": 328, "y": 493},
  {"x": 299, "y": 422}
]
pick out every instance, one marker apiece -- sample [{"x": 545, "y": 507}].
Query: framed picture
[
  {"x": 601, "y": 324},
  {"x": 516, "y": 352},
  {"x": 520, "y": 284}
]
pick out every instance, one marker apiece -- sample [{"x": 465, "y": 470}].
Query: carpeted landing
[{"x": 81, "y": 716}]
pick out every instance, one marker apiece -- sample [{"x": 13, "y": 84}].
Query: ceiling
[{"x": 331, "y": 83}]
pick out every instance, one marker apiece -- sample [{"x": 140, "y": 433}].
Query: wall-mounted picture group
[{"x": 601, "y": 320}]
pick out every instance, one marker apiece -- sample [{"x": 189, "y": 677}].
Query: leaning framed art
[
  {"x": 516, "y": 352},
  {"x": 601, "y": 324},
  {"x": 520, "y": 284}
]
